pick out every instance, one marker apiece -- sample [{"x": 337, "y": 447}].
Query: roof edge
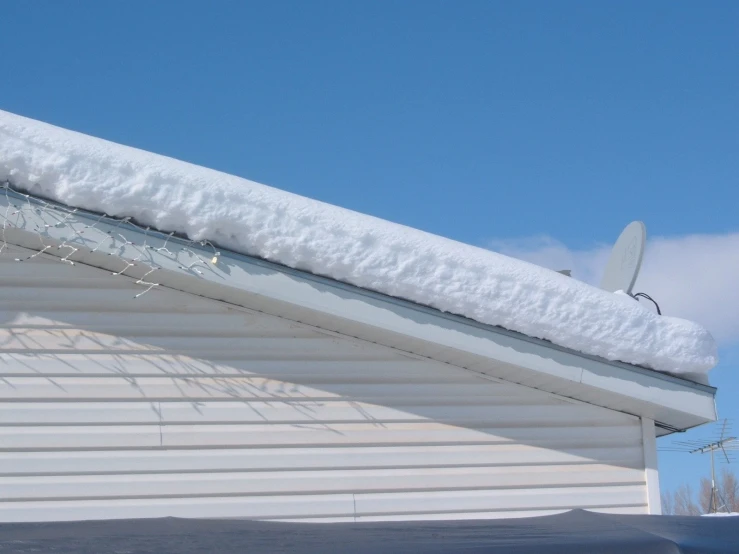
[{"x": 254, "y": 283}]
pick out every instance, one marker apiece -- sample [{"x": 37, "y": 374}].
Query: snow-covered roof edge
[
  {"x": 365, "y": 251},
  {"x": 152, "y": 259}
]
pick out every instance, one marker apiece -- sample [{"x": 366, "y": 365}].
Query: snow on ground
[{"x": 258, "y": 220}]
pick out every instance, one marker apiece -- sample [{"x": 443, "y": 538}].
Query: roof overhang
[{"x": 674, "y": 403}]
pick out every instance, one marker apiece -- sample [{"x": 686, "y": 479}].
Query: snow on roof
[{"x": 258, "y": 220}]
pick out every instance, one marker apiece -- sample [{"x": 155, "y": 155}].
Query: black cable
[{"x": 645, "y": 295}]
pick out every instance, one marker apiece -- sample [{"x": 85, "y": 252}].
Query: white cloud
[{"x": 695, "y": 277}]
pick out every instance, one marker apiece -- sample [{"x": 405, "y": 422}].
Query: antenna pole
[{"x": 713, "y": 485}]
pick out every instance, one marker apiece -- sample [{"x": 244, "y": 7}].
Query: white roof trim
[{"x": 674, "y": 403}]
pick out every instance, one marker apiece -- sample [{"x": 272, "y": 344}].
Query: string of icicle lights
[{"x": 95, "y": 232}]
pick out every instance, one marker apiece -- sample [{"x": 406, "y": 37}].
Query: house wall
[{"x": 169, "y": 404}]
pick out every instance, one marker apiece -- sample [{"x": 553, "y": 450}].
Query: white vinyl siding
[{"x": 174, "y": 405}]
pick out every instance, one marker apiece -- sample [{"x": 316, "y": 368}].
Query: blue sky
[{"x": 538, "y": 128}]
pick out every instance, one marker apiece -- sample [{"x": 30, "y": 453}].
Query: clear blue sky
[{"x": 477, "y": 120}]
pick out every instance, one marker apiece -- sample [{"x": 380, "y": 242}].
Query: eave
[{"x": 674, "y": 403}]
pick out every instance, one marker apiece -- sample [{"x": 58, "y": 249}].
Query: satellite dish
[{"x": 623, "y": 266}]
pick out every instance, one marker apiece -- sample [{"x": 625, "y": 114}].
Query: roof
[
  {"x": 375, "y": 255},
  {"x": 154, "y": 259}
]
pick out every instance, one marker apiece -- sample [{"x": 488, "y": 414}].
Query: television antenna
[
  {"x": 624, "y": 263},
  {"x": 720, "y": 442}
]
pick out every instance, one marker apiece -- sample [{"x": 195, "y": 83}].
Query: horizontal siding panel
[
  {"x": 304, "y": 371},
  {"x": 475, "y": 415},
  {"x": 292, "y": 482},
  {"x": 273, "y": 459},
  {"x": 379, "y": 433},
  {"x": 242, "y": 388},
  {"x": 521, "y": 499},
  {"x": 276, "y": 434},
  {"x": 80, "y": 437},
  {"x": 158, "y": 365},
  {"x": 79, "y": 413},
  {"x": 257, "y": 507},
  {"x": 59, "y": 413}
]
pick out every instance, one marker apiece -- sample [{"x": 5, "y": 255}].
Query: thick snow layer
[{"x": 255, "y": 219}]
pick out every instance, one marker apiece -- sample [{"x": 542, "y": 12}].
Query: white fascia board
[{"x": 265, "y": 286}]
